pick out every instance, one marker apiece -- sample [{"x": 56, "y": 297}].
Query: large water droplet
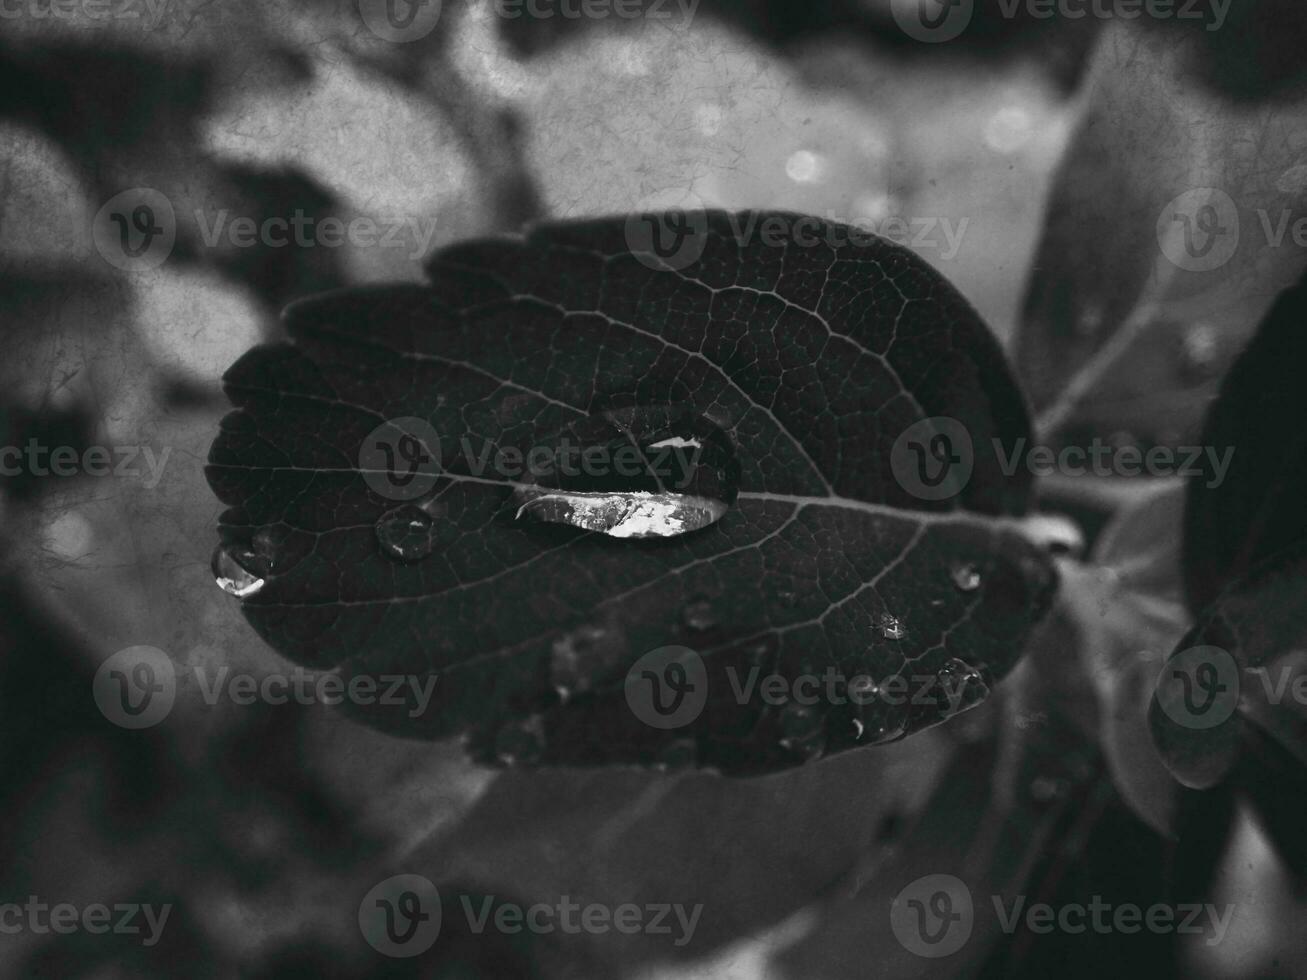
[
  {"x": 965, "y": 576},
  {"x": 636, "y": 472},
  {"x": 890, "y": 627},
  {"x": 406, "y": 533},
  {"x": 624, "y": 515},
  {"x": 231, "y": 575}
]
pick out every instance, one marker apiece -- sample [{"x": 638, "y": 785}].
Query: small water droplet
[
  {"x": 803, "y": 731},
  {"x": 231, "y": 575},
  {"x": 888, "y": 721},
  {"x": 522, "y": 743},
  {"x": 960, "y": 686},
  {"x": 758, "y": 653},
  {"x": 965, "y": 576},
  {"x": 890, "y": 627},
  {"x": 698, "y": 615},
  {"x": 681, "y": 753},
  {"x": 787, "y": 597},
  {"x": 858, "y": 728},
  {"x": 406, "y": 533},
  {"x": 862, "y": 689}
]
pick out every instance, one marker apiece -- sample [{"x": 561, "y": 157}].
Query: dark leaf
[
  {"x": 1122, "y": 615},
  {"x": 1233, "y": 668},
  {"x": 1232, "y": 524},
  {"x": 1162, "y": 246},
  {"x": 618, "y": 836},
  {"x": 793, "y": 368}
]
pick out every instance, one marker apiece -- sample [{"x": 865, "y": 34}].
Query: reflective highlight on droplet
[
  {"x": 635, "y": 514},
  {"x": 232, "y": 577},
  {"x": 406, "y": 533},
  {"x": 966, "y": 577},
  {"x": 891, "y": 627}
]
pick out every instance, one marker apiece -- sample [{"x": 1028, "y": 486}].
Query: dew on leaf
[
  {"x": 965, "y": 576},
  {"x": 698, "y": 615},
  {"x": 891, "y": 627},
  {"x": 803, "y": 731},
  {"x": 961, "y": 686},
  {"x": 888, "y": 723},
  {"x": 229, "y": 571},
  {"x": 637, "y": 514},
  {"x": 406, "y": 533}
]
